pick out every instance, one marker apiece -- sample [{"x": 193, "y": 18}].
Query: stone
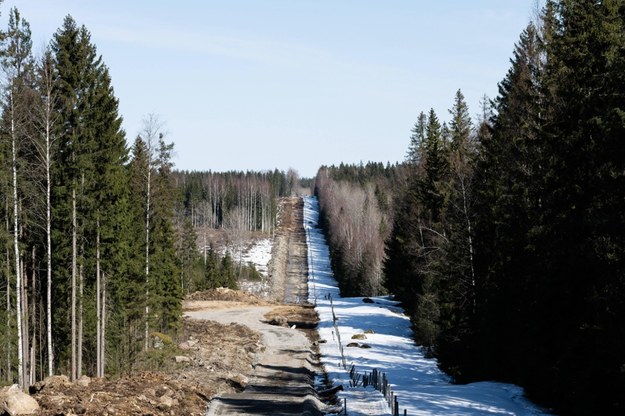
[
  {"x": 279, "y": 321},
  {"x": 189, "y": 344},
  {"x": 167, "y": 402},
  {"x": 182, "y": 359},
  {"x": 83, "y": 381},
  {"x": 15, "y": 402},
  {"x": 359, "y": 336}
]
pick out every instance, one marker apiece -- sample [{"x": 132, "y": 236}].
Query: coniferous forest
[
  {"x": 90, "y": 267},
  {"x": 507, "y": 236}
]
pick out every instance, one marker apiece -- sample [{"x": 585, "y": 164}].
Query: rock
[
  {"x": 359, "y": 336},
  {"x": 367, "y": 300},
  {"x": 182, "y": 359},
  {"x": 369, "y": 331},
  {"x": 279, "y": 321},
  {"x": 365, "y": 346},
  {"x": 15, "y": 402},
  {"x": 187, "y": 345},
  {"x": 352, "y": 344},
  {"x": 83, "y": 381},
  {"x": 167, "y": 402},
  {"x": 240, "y": 380}
]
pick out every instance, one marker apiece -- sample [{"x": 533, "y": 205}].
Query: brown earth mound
[
  {"x": 212, "y": 359},
  {"x": 225, "y": 294}
]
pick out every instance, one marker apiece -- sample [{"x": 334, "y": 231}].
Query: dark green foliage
[
  {"x": 540, "y": 302},
  {"x": 219, "y": 272}
]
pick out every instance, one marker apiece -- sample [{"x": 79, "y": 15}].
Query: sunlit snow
[{"x": 421, "y": 388}]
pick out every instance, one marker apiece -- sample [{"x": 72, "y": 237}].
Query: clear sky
[{"x": 264, "y": 84}]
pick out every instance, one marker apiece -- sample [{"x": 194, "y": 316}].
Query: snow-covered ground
[
  {"x": 421, "y": 388},
  {"x": 259, "y": 254}
]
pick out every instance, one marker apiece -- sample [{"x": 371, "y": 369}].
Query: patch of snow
[
  {"x": 259, "y": 254},
  {"x": 421, "y": 387}
]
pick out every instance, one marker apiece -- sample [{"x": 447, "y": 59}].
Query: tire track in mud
[{"x": 283, "y": 377}]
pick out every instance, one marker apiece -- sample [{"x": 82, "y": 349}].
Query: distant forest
[{"x": 504, "y": 236}]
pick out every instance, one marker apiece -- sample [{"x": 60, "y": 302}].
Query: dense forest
[
  {"x": 89, "y": 267},
  {"x": 507, "y": 233}
]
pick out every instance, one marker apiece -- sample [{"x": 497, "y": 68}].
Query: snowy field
[{"x": 421, "y": 388}]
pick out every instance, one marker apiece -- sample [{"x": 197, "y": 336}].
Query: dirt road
[
  {"x": 283, "y": 375},
  {"x": 288, "y": 265},
  {"x": 281, "y": 383}
]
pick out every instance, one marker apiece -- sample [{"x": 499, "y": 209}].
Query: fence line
[
  {"x": 375, "y": 378},
  {"x": 379, "y": 381}
]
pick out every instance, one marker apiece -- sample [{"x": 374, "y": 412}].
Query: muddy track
[
  {"x": 283, "y": 376},
  {"x": 289, "y": 266}
]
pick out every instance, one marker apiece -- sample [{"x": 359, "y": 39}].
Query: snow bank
[{"x": 421, "y": 388}]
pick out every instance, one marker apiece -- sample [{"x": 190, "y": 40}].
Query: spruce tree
[{"x": 90, "y": 189}]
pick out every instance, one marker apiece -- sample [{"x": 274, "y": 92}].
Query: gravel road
[{"x": 283, "y": 376}]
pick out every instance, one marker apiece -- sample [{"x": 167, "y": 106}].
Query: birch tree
[
  {"x": 45, "y": 119},
  {"x": 17, "y": 62}
]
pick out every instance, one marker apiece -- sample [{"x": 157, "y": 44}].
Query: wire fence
[{"x": 377, "y": 379}]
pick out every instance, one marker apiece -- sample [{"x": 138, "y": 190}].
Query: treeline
[
  {"x": 90, "y": 263},
  {"x": 356, "y": 214},
  {"x": 234, "y": 200},
  {"x": 507, "y": 242}
]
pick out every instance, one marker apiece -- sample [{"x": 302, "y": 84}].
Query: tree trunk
[
  {"x": 81, "y": 289},
  {"x": 18, "y": 274},
  {"x": 101, "y": 358},
  {"x": 33, "y": 317},
  {"x": 49, "y": 247},
  {"x": 97, "y": 298},
  {"x": 9, "y": 374},
  {"x": 74, "y": 273},
  {"x": 147, "y": 254}
]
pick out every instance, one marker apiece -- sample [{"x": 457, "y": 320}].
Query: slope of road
[
  {"x": 281, "y": 383},
  {"x": 283, "y": 376},
  {"x": 288, "y": 268}
]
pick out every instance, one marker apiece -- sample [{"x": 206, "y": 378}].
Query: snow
[
  {"x": 421, "y": 388},
  {"x": 259, "y": 254}
]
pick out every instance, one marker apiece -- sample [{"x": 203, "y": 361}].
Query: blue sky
[{"x": 264, "y": 84}]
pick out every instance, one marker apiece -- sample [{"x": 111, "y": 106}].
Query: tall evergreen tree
[
  {"x": 91, "y": 189},
  {"x": 165, "y": 281}
]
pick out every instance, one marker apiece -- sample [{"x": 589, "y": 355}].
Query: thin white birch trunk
[
  {"x": 74, "y": 277},
  {"x": 16, "y": 248},
  {"x": 98, "y": 297}
]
